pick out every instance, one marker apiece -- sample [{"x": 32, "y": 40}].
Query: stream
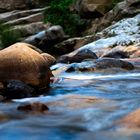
[{"x": 82, "y": 106}]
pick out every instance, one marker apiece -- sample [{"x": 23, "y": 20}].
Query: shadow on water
[{"x": 82, "y": 106}]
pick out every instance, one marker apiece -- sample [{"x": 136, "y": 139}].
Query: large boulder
[
  {"x": 92, "y": 8},
  {"x": 20, "y": 62}
]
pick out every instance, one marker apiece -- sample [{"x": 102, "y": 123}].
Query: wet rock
[
  {"x": 18, "y": 89},
  {"x": 130, "y": 51},
  {"x": 34, "y": 107},
  {"x": 87, "y": 66},
  {"x": 113, "y": 63},
  {"x": 47, "y": 38},
  {"x": 117, "y": 54},
  {"x": 78, "y": 57},
  {"x": 92, "y": 8},
  {"x": 20, "y": 62},
  {"x": 57, "y": 69},
  {"x": 100, "y": 64},
  {"x": 131, "y": 121},
  {"x": 134, "y": 61}
]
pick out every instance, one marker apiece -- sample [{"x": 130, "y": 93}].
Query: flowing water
[{"x": 82, "y": 106}]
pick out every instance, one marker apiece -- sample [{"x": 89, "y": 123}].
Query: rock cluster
[
  {"x": 46, "y": 56},
  {"x": 114, "y": 47},
  {"x": 20, "y": 62}
]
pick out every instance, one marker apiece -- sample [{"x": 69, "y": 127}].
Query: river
[{"x": 81, "y": 106}]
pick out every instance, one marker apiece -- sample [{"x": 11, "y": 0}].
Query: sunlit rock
[
  {"x": 123, "y": 33},
  {"x": 20, "y": 62}
]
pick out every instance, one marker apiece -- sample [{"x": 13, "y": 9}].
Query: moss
[{"x": 59, "y": 14}]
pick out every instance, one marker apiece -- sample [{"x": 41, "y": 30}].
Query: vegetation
[
  {"x": 7, "y": 36},
  {"x": 114, "y": 2},
  {"x": 59, "y": 13}
]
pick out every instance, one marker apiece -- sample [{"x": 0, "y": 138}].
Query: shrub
[
  {"x": 114, "y": 2},
  {"x": 8, "y": 36},
  {"x": 59, "y": 14}
]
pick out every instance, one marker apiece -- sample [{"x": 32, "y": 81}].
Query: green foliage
[
  {"x": 114, "y": 2},
  {"x": 8, "y": 36},
  {"x": 60, "y": 14}
]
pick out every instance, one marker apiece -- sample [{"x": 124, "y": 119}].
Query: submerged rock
[
  {"x": 20, "y": 62},
  {"x": 131, "y": 121},
  {"x": 73, "y": 101},
  {"x": 34, "y": 107}
]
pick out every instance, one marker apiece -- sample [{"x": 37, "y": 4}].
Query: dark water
[{"x": 117, "y": 95}]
